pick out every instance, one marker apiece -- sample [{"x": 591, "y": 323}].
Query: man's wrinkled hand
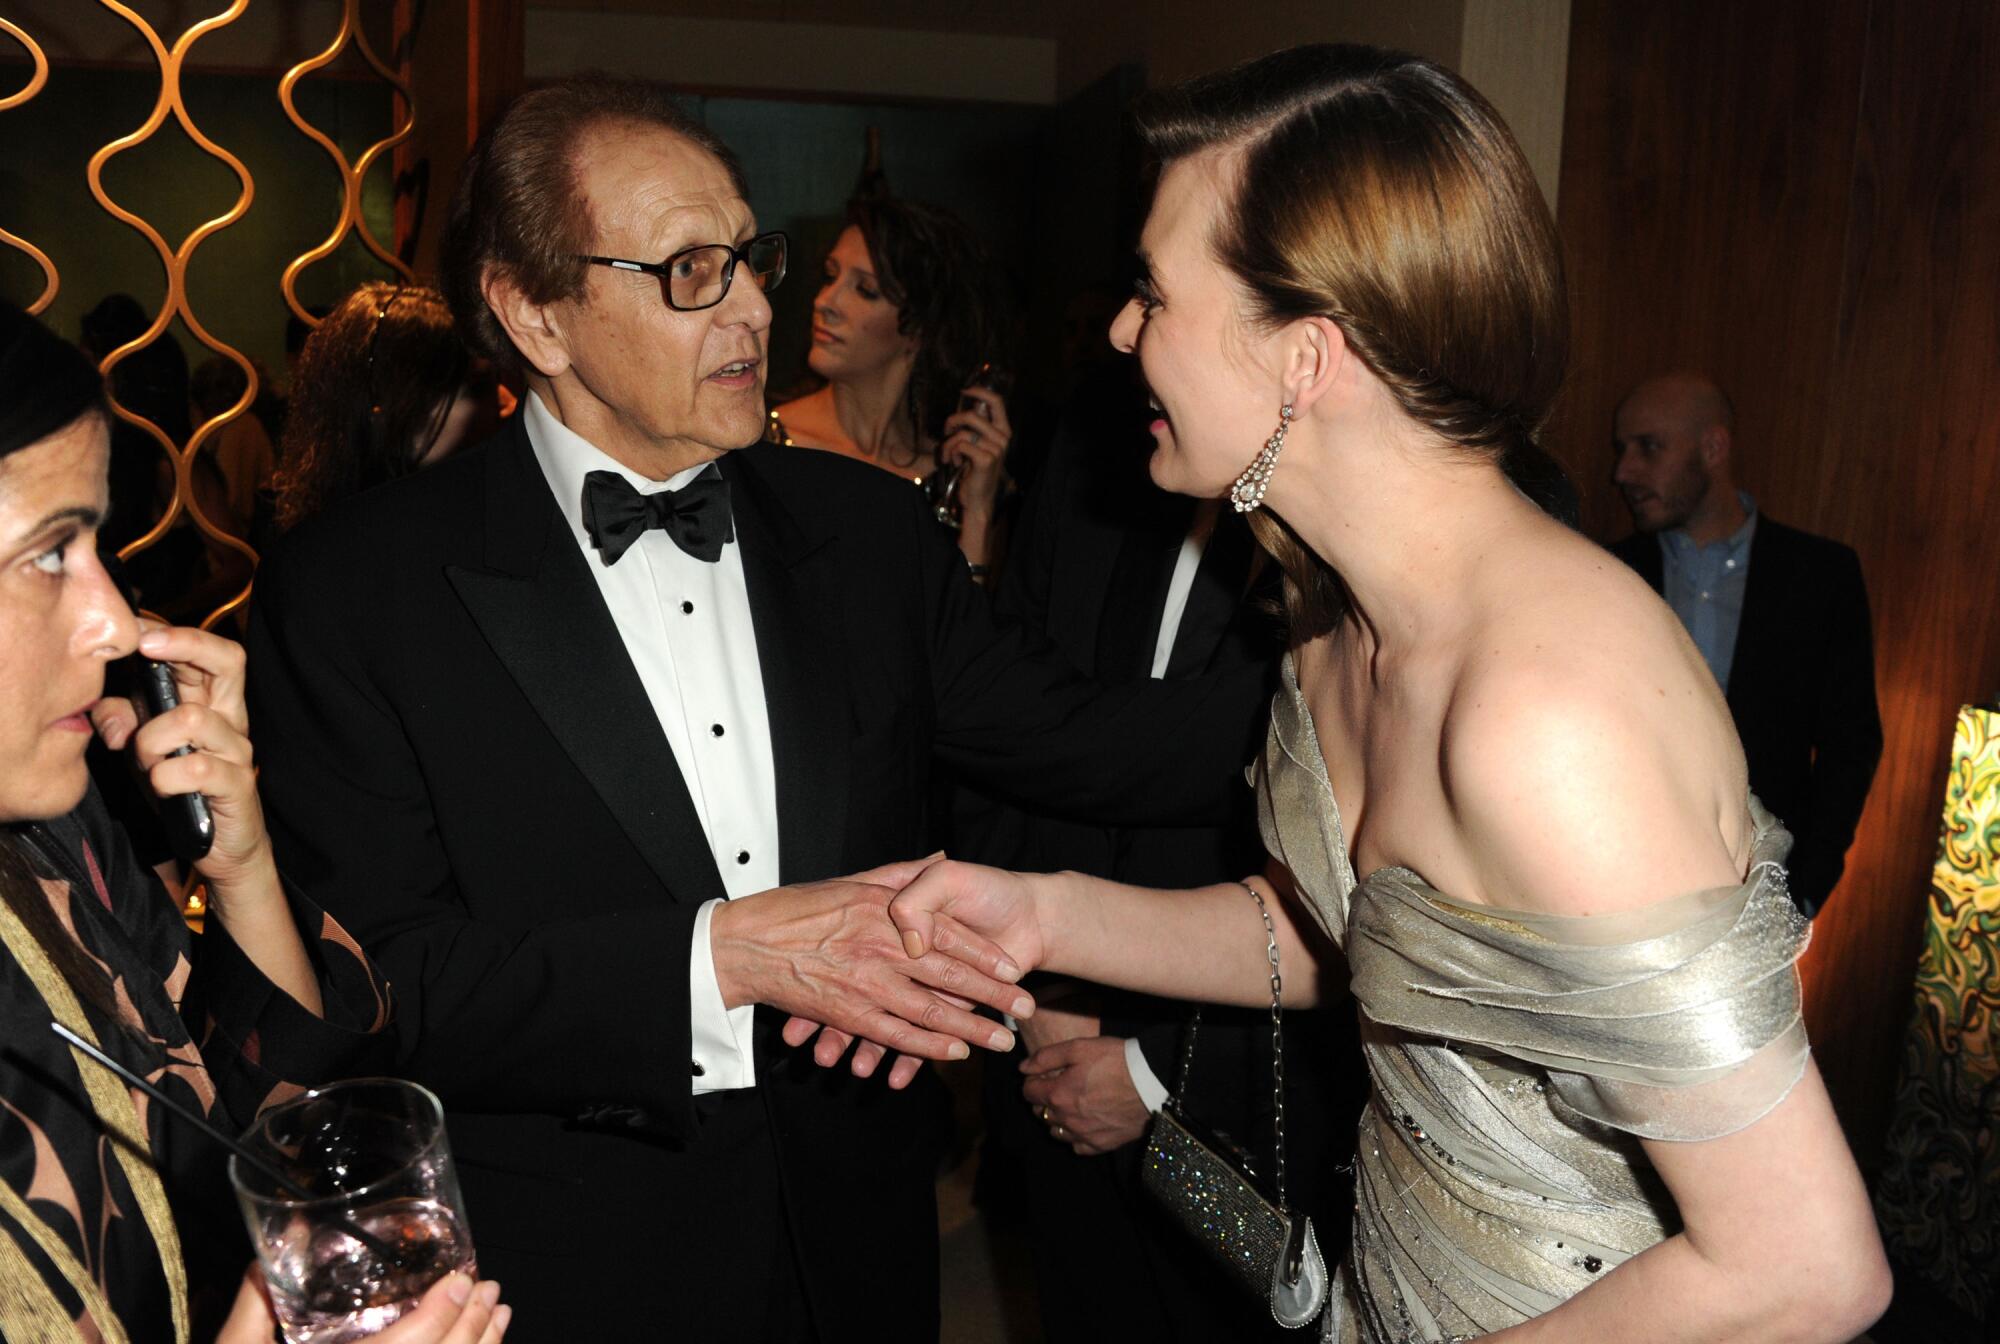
[
  {"x": 832, "y": 1046},
  {"x": 827, "y": 954},
  {"x": 1061, "y": 1020},
  {"x": 1082, "y": 1090}
]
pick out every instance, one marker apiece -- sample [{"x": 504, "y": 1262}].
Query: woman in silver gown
[{"x": 1559, "y": 911}]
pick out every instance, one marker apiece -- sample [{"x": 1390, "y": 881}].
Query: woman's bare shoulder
[{"x": 1587, "y": 754}]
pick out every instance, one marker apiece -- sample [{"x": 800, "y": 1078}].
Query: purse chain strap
[{"x": 1277, "y": 1043}]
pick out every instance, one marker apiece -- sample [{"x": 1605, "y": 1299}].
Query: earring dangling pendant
[{"x": 1248, "y": 492}]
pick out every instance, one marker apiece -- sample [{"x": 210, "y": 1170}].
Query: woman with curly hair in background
[{"x": 383, "y": 387}]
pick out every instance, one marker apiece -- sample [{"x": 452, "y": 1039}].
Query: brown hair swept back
[
  {"x": 519, "y": 207},
  {"x": 1380, "y": 191}
]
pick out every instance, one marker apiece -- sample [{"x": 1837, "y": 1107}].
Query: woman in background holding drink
[
  {"x": 99, "y": 1182},
  {"x": 906, "y": 320}
]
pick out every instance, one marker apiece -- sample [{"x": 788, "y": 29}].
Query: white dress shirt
[
  {"x": 686, "y": 625},
  {"x": 1151, "y": 1091}
]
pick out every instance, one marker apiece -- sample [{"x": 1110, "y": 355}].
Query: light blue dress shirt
[{"x": 1704, "y": 585}]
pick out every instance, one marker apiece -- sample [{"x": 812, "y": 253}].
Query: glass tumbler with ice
[{"x": 385, "y": 1220}]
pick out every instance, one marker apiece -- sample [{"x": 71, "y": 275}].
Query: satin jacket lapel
[
  {"x": 795, "y": 603},
  {"x": 1146, "y": 526},
  {"x": 1135, "y": 602},
  {"x": 1213, "y": 601},
  {"x": 528, "y": 589}
]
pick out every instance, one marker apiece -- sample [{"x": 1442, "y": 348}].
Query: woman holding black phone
[{"x": 96, "y": 1182}]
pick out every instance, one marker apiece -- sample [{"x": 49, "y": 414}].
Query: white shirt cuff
[
  {"x": 1143, "y": 1078},
  {"x": 723, "y": 1059}
]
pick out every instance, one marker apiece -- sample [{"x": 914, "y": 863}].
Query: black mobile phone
[{"x": 189, "y": 824}]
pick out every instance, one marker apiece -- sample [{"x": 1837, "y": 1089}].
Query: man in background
[
  {"x": 1132, "y": 584},
  {"x": 1780, "y": 615}
]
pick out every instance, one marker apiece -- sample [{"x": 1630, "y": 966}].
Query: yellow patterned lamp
[{"x": 1939, "y": 1196}]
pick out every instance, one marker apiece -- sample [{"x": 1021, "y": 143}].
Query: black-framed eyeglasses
[{"x": 698, "y": 277}]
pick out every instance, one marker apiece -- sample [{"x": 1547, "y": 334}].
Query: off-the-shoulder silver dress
[{"x": 1518, "y": 1058}]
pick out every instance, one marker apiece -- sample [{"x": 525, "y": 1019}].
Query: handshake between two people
[{"x": 893, "y": 962}]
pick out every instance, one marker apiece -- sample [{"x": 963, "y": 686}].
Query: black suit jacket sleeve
[
  {"x": 1014, "y": 718},
  {"x": 584, "y": 1018},
  {"x": 1161, "y": 1039},
  {"x": 1846, "y": 734},
  {"x": 1023, "y": 594}
]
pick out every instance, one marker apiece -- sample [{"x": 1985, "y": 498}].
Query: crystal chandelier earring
[{"x": 1248, "y": 492}]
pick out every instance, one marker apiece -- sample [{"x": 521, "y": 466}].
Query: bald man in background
[{"x": 1780, "y": 615}]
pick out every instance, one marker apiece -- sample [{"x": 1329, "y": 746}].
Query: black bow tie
[{"x": 696, "y": 516}]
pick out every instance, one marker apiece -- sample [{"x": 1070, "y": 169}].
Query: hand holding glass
[{"x": 374, "y": 1154}]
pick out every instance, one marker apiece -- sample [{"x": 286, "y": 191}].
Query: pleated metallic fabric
[{"x": 1517, "y": 1059}]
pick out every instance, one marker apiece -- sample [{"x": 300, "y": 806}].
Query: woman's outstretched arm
[{"x": 1208, "y": 944}]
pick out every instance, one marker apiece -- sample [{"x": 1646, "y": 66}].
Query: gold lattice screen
[
  {"x": 50, "y": 281},
  {"x": 186, "y": 505}
]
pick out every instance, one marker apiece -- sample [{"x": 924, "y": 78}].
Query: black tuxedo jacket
[
  {"x": 460, "y": 761},
  {"x": 1091, "y": 563},
  {"x": 1801, "y": 689}
]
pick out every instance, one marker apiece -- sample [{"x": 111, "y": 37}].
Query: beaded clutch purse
[{"x": 1209, "y": 1187}]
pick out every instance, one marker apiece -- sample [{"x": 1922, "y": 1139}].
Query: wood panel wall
[{"x": 1803, "y": 198}]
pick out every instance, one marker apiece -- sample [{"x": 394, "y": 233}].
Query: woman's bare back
[{"x": 1555, "y": 743}]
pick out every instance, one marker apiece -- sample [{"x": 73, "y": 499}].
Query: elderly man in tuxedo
[{"x": 574, "y": 730}]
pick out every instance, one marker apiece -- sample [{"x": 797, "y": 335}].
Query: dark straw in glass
[{"x": 243, "y": 1154}]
